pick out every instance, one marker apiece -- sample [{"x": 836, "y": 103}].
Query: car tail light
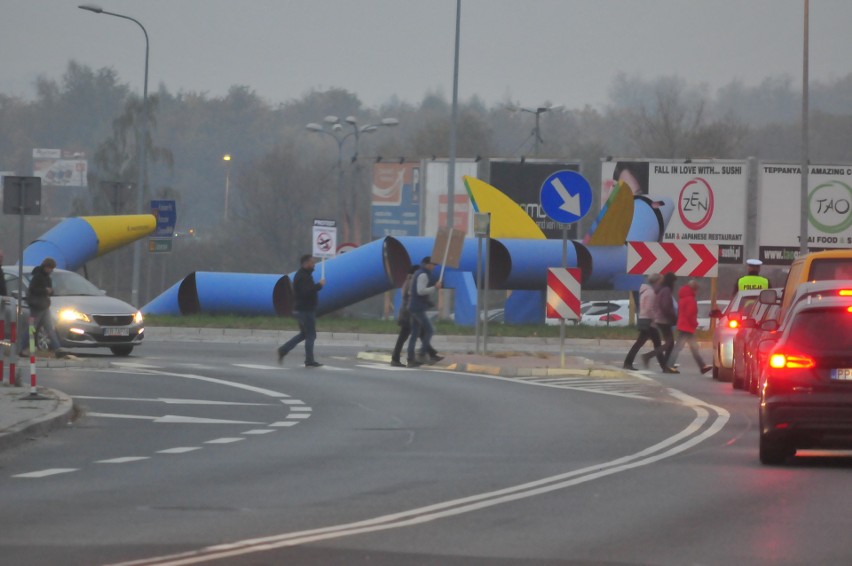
[
  {"x": 733, "y": 324},
  {"x": 845, "y": 292},
  {"x": 610, "y": 318},
  {"x": 848, "y": 309},
  {"x": 792, "y": 360}
]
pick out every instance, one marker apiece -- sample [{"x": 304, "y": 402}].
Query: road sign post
[
  {"x": 563, "y": 300},
  {"x": 324, "y": 241}
]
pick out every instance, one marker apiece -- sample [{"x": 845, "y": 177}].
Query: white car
[
  {"x": 605, "y": 313},
  {"x": 704, "y": 312}
]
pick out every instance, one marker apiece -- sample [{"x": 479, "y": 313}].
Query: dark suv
[{"x": 806, "y": 398}]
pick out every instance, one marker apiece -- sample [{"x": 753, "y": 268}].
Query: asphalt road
[{"x": 202, "y": 452}]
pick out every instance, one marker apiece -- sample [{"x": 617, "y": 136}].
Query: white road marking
[
  {"x": 227, "y": 440},
  {"x": 45, "y": 473},
  {"x": 299, "y": 416},
  {"x": 172, "y": 419},
  {"x": 258, "y": 366},
  {"x": 292, "y": 401},
  {"x": 124, "y": 460},
  {"x": 384, "y": 367},
  {"x": 135, "y": 365},
  {"x": 179, "y": 450},
  {"x": 259, "y": 390},
  {"x": 172, "y": 401},
  {"x": 697, "y": 431},
  {"x": 302, "y": 409},
  {"x": 259, "y": 431},
  {"x": 284, "y": 423}
]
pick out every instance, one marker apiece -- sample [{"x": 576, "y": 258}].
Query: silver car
[{"x": 84, "y": 315}]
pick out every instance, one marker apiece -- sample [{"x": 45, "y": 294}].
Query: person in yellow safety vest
[{"x": 753, "y": 279}]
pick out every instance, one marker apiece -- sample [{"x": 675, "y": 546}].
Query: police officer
[{"x": 753, "y": 279}]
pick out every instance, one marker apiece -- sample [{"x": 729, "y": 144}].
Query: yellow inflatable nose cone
[
  {"x": 508, "y": 220},
  {"x": 114, "y": 232}
]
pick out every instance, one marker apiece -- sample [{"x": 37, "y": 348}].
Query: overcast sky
[{"x": 530, "y": 51}]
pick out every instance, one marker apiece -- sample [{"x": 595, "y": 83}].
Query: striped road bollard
[{"x": 34, "y": 395}]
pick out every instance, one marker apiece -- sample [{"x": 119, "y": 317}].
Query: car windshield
[
  {"x": 822, "y": 330},
  {"x": 67, "y": 283},
  {"x": 830, "y": 269}
]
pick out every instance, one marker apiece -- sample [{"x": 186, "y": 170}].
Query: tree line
[{"x": 282, "y": 175}]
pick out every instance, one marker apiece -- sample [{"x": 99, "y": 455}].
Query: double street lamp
[
  {"x": 141, "y": 143},
  {"x": 337, "y": 131},
  {"x": 536, "y": 133}
]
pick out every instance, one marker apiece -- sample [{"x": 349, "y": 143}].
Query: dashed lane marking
[
  {"x": 46, "y": 473},
  {"x": 124, "y": 460},
  {"x": 226, "y": 440},
  {"x": 179, "y": 450}
]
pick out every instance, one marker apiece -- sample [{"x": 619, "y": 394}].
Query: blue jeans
[
  {"x": 421, "y": 327},
  {"x": 307, "y": 332},
  {"x": 41, "y": 319}
]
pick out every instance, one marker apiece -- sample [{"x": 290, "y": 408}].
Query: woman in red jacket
[{"x": 687, "y": 323}]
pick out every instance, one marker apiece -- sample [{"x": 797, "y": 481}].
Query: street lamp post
[
  {"x": 340, "y": 138},
  {"x": 227, "y": 159},
  {"x": 143, "y": 140},
  {"x": 536, "y": 133}
]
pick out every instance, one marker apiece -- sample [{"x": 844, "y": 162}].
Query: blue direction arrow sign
[{"x": 566, "y": 196}]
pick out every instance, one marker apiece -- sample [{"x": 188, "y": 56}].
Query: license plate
[
  {"x": 123, "y": 332},
  {"x": 842, "y": 374}
]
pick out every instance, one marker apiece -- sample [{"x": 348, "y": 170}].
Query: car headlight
[
  {"x": 70, "y": 315},
  {"x": 137, "y": 318}
]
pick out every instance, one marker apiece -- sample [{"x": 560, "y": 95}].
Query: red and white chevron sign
[
  {"x": 686, "y": 260},
  {"x": 563, "y": 293}
]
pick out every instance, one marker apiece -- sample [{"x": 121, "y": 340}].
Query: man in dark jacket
[
  {"x": 305, "y": 292},
  {"x": 38, "y": 299},
  {"x": 423, "y": 286}
]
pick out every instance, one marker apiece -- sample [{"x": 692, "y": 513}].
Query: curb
[
  {"x": 499, "y": 371},
  {"x": 63, "y": 406}
]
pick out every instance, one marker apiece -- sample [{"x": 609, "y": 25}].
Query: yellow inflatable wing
[
  {"x": 611, "y": 226},
  {"x": 508, "y": 220}
]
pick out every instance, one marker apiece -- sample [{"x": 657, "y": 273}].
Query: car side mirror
[
  {"x": 715, "y": 313},
  {"x": 769, "y": 325},
  {"x": 749, "y": 323},
  {"x": 768, "y": 297}
]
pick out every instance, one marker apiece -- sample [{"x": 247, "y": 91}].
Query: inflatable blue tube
[
  {"x": 531, "y": 258},
  {"x": 166, "y": 304},
  {"x": 360, "y": 274},
  {"x": 71, "y": 243},
  {"x": 650, "y": 218},
  {"x": 419, "y": 247},
  {"x": 248, "y": 294}
]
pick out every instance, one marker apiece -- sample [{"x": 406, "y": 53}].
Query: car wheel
[
  {"x": 715, "y": 372},
  {"x": 121, "y": 350},
  {"x": 725, "y": 374},
  {"x": 774, "y": 452},
  {"x": 42, "y": 341},
  {"x": 736, "y": 381}
]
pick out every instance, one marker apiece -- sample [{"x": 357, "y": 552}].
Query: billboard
[
  {"x": 396, "y": 199},
  {"x": 779, "y": 212},
  {"x": 522, "y": 180},
  {"x": 709, "y": 198},
  {"x": 60, "y": 168},
  {"x": 436, "y": 196}
]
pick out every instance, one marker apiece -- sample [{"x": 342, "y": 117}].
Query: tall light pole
[
  {"x": 805, "y": 205},
  {"x": 141, "y": 143},
  {"x": 336, "y": 132},
  {"x": 227, "y": 159},
  {"x": 454, "y": 125}
]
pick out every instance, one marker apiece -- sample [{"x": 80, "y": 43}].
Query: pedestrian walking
[
  {"x": 423, "y": 286},
  {"x": 38, "y": 299},
  {"x": 305, "y": 295},
  {"x": 403, "y": 319},
  {"x": 687, "y": 323},
  {"x": 665, "y": 319},
  {"x": 645, "y": 323}
]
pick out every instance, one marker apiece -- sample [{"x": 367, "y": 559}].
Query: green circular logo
[{"x": 830, "y": 203}]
